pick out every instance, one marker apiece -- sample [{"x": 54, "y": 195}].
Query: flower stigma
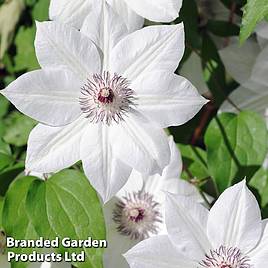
[
  {"x": 137, "y": 215},
  {"x": 106, "y": 98},
  {"x": 225, "y": 257}
]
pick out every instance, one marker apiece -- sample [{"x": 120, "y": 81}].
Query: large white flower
[
  {"x": 106, "y": 108},
  {"x": 231, "y": 234},
  {"x": 137, "y": 211},
  {"x": 74, "y": 12}
]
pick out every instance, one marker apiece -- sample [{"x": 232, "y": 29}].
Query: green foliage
[
  {"x": 223, "y": 28},
  {"x": 40, "y": 10},
  {"x": 15, "y": 220},
  {"x": 8, "y": 175},
  {"x": 235, "y": 147},
  {"x": 216, "y": 154},
  {"x": 67, "y": 206},
  {"x": 25, "y": 59},
  {"x": 1, "y": 211},
  {"x": 214, "y": 72},
  {"x": 5, "y": 155},
  {"x": 4, "y": 104},
  {"x": 260, "y": 183},
  {"x": 18, "y": 128},
  {"x": 254, "y": 12},
  {"x": 194, "y": 160}
]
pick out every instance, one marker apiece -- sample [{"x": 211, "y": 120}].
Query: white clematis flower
[
  {"x": 104, "y": 108},
  {"x": 74, "y": 12},
  {"x": 137, "y": 211},
  {"x": 231, "y": 234}
]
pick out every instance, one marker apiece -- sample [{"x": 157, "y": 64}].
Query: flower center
[
  {"x": 137, "y": 215},
  {"x": 225, "y": 257},
  {"x": 106, "y": 98}
]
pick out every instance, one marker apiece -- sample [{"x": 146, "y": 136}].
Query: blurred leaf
[
  {"x": 8, "y": 175},
  {"x": 15, "y": 220},
  {"x": 4, "y": 148},
  {"x": 4, "y": 104},
  {"x": 1, "y": 211},
  {"x": 214, "y": 71},
  {"x": 30, "y": 2},
  {"x": 18, "y": 128},
  {"x": 68, "y": 206},
  {"x": 2, "y": 128},
  {"x": 25, "y": 58},
  {"x": 260, "y": 182},
  {"x": 236, "y": 147},
  {"x": 194, "y": 159},
  {"x": 223, "y": 28},
  {"x": 189, "y": 16},
  {"x": 40, "y": 10},
  {"x": 254, "y": 12},
  {"x": 5, "y": 155}
]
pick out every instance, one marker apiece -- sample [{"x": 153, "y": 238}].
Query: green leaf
[
  {"x": 214, "y": 71},
  {"x": 8, "y": 175},
  {"x": 260, "y": 182},
  {"x": 15, "y": 220},
  {"x": 1, "y": 211},
  {"x": 18, "y": 128},
  {"x": 4, "y": 104},
  {"x": 236, "y": 147},
  {"x": 68, "y": 206},
  {"x": 5, "y": 155},
  {"x": 25, "y": 58},
  {"x": 223, "y": 28},
  {"x": 40, "y": 10},
  {"x": 254, "y": 12},
  {"x": 189, "y": 16},
  {"x": 194, "y": 159}
]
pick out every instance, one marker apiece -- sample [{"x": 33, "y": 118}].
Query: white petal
[
  {"x": 262, "y": 33},
  {"x": 131, "y": 18},
  {"x": 254, "y": 98},
  {"x": 186, "y": 224},
  {"x": 51, "y": 149},
  {"x": 259, "y": 73},
  {"x": 72, "y": 12},
  {"x": 157, "y": 252},
  {"x": 134, "y": 184},
  {"x": 154, "y": 47},
  {"x": 239, "y": 60},
  {"x": 181, "y": 187},
  {"x": 232, "y": 217},
  {"x": 157, "y": 10},
  {"x": 259, "y": 256},
  {"x": 60, "y": 46},
  {"x": 174, "y": 168},
  {"x": 105, "y": 28},
  {"x": 106, "y": 173},
  {"x": 168, "y": 99},
  {"x": 193, "y": 71},
  {"x": 140, "y": 144},
  {"x": 118, "y": 244},
  {"x": 48, "y": 96}
]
